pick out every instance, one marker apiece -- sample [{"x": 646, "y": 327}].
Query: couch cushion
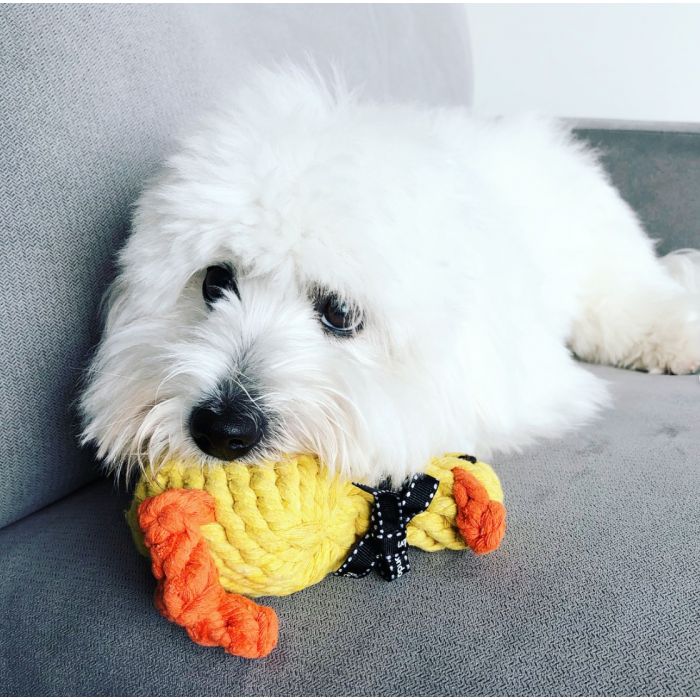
[
  {"x": 658, "y": 173},
  {"x": 594, "y": 591},
  {"x": 91, "y": 98}
]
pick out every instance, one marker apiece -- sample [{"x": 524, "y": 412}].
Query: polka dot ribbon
[{"x": 384, "y": 545}]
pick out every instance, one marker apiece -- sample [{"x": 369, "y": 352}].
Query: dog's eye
[
  {"x": 338, "y": 316},
  {"x": 218, "y": 279}
]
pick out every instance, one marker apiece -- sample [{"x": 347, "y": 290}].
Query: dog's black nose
[{"x": 226, "y": 433}]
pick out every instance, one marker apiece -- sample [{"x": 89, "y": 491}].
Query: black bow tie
[{"x": 384, "y": 545}]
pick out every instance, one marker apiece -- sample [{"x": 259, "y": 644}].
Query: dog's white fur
[{"x": 481, "y": 252}]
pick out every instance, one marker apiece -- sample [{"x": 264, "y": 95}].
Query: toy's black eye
[
  {"x": 218, "y": 279},
  {"x": 338, "y": 316}
]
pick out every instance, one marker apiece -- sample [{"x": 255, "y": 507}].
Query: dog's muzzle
[{"x": 227, "y": 426}]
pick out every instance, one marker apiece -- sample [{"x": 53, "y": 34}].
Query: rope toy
[{"x": 218, "y": 535}]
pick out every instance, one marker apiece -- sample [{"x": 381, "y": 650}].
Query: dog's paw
[{"x": 671, "y": 349}]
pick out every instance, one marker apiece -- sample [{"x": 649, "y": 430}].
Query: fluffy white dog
[{"x": 374, "y": 284}]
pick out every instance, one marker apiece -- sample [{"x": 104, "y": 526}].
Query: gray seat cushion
[
  {"x": 91, "y": 98},
  {"x": 594, "y": 591}
]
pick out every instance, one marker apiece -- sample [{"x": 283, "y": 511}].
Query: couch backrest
[
  {"x": 658, "y": 173},
  {"x": 91, "y": 98}
]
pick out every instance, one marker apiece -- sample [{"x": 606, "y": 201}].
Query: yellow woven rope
[{"x": 283, "y": 526}]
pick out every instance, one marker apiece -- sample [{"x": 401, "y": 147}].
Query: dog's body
[{"x": 374, "y": 284}]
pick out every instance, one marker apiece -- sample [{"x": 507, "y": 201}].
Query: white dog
[{"x": 376, "y": 285}]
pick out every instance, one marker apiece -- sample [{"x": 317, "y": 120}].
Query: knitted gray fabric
[
  {"x": 595, "y": 590},
  {"x": 90, "y": 100}
]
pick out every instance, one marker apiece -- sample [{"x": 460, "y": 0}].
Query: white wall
[{"x": 626, "y": 62}]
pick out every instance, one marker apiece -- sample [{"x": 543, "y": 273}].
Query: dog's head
[{"x": 290, "y": 286}]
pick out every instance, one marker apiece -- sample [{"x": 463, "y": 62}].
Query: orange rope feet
[
  {"x": 189, "y": 592},
  {"x": 481, "y": 521}
]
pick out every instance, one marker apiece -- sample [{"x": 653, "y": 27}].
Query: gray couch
[{"x": 597, "y": 586}]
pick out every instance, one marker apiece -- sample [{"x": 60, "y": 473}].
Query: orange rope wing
[
  {"x": 481, "y": 521},
  {"x": 188, "y": 591}
]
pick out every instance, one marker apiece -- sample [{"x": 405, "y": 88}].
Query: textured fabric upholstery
[
  {"x": 594, "y": 591},
  {"x": 658, "y": 173},
  {"x": 91, "y": 98}
]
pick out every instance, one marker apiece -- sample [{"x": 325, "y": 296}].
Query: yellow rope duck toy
[{"x": 217, "y": 535}]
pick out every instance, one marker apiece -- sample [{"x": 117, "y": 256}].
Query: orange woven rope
[
  {"x": 189, "y": 592},
  {"x": 481, "y": 521}
]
